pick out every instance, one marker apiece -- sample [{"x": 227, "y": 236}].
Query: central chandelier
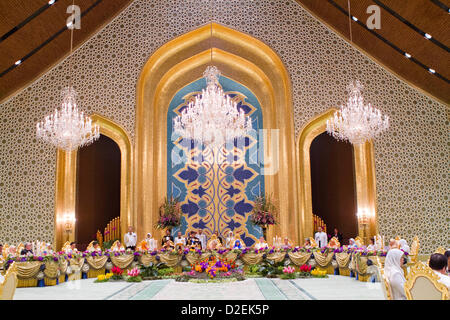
[
  {"x": 357, "y": 122},
  {"x": 68, "y": 128},
  {"x": 213, "y": 117}
]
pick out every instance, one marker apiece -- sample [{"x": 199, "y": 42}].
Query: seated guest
[
  {"x": 214, "y": 243},
  {"x": 95, "y": 247},
  {"x": 167, "y": 237},
  {"x": 334, "y": 243},
  {"x": 72, "y": 248},
  {"x": 12, "y": 251},
  {"x": 27, "y": 250},
  {"x": 238, "y": 244},
  {"x": 371, "y": 246},
  {"x": 48, "y": 249},
  {"x": 393, "y": 244},
  {"x": 193, "y": 241},
  {"x": 438, "y": 262},
  {"x": 168, "y": 245},
  {"x": 230, "y": 239},
  {"x": 352, "y": 243},
  {"x": 117, "y": 246},
  {"x": 394, "y": 273},
  {"x": 219, "y": 238},
  {"x": 286, "y": 244},
  {"x": 403, "y": 245},
  {"x": 130, "y": 239},
  {"x": 179, "y": 239},
  {"x": 261, "y": 244},
  {"x": 307, "y": 244},
  {"x": 202, "y": 238},
  {"x": 150, "y": 242}
]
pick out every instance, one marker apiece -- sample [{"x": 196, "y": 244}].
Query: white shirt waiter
[
  {"x": 130, "y": 239},
  {"x": 321, "y": 238}
]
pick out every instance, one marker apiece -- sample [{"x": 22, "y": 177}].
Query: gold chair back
[
  {"x": 65, "y": 246},
  {"x": 313, "y": 242},
  {"x": 414, "y": 252},
  {"x": 359, "y": 241},
  {"x": 90, "y": 246},
  {"x": 334, "y": 243},
  {"x": 422, "y": 284},
  {"x": 19, "y": 248},
  {"x": 385, "y": 283},
  {"x": 5, "y": 251},
  {"x": 8, "y": 287}
]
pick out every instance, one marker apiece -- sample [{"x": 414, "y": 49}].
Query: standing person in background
[
  {"x": 337, "y": 235},
  {"x": 130, "y": 239},
  {"x": 202, "y": 238},
  {"x": 321, "y": 238}
]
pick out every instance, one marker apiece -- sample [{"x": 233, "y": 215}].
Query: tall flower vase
[{"x": 264, "y": 230}]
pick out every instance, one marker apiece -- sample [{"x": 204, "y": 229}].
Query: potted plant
[{"x": 263, "y": 213}]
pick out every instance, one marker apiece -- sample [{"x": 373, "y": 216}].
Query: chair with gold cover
[
  {"x": 90, "y": 246},
  {"x": 66, "y": 246},
  {"x": 359, "y": 241},
  {"x": 19, "y": 248},
  {"x": 5, "y": 251},
  {"x": 385, "y": 283},
  {"x": 313, "y": 242},
  {"x": 213, "y": 243},
  {"x": 9, "y": 285},
  {"x": 414, "y": 250},
  {"x": 334, "y": 243},
  {"x": 422, "y": 284}
]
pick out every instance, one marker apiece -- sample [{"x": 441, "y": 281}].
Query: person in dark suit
[
  {"x": 338, "y": 235},
  {"x": 167, "y": 237},
  {"x": 27, "y": 250}
]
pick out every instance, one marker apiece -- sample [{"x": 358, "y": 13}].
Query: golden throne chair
[
  {"x": 385, "y": 283},
  {"x": 422, "y": 284},
  {"x": 8, "y": 287}
]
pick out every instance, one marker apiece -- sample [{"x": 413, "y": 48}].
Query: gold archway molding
[
  {"x": 66, "y": 180},
  {"x": 363, "y": 169},
  {"x": 182, "y": 61}
]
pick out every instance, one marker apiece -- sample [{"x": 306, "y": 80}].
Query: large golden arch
[
  {"x": 66, "y": 180},
  {"x": 182, "y": 61},
  {"x": 364, "y": 176}
]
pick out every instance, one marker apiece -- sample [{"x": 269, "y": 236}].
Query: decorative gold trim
[
  {"x": 178, "y": 63},
  {"x": 66, "y": 180},
  {"x": 422, "y": 270},
  {"x": 364, "y": 175}
]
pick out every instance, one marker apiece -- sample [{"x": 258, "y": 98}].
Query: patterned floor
[{"x": 331, "y": 288}]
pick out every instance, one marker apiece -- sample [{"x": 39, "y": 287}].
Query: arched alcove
[
  {"x": 182, "y": 61},
  {"x": 363, "y": 169},
  {"x": 66, "y": 180}
]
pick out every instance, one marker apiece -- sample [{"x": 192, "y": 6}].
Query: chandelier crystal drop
[
  {"x": 68, "y": 128},
  {"x": 356, "y": 122},
  {"x": 213, "y": 117}
]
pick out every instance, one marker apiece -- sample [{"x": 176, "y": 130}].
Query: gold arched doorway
[
  {"x": 364, "y": 176},
  {"x": 182, "y": 61},
  {"x": 66, "y": 181}
]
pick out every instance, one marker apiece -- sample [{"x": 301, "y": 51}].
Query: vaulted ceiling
[{"x": 35, "y": 32}]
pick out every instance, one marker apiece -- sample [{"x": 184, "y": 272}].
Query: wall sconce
[{"x": 69, "y": 221}]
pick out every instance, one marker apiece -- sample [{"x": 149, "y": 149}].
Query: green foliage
[
  {"x": 152, "y": 270},
  {"x": 166, "y": 271},
  {"x": 269, "y": 268},
  {"x": 134, "y": 279},
  {"x": 253, "y": 269}
]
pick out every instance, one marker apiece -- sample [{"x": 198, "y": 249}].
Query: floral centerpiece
[
  {"x": 305, "y": 271},
  {"x": 169, "y": 214},
  {"x": 319, "y": 273},
  {"x": 264, "y": 212},
  {"x": 104, "y": 277},
  {"x": 213, "y": 268}
]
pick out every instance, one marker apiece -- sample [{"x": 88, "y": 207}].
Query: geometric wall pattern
[
  {"x": 216, "y": 186},
  {"x": 411, "y": 159}
]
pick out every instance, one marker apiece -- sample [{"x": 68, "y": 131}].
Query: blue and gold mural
[{"x": 216, "y": 187}]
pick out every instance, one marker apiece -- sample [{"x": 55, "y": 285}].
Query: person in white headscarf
[
  {"x": 403, "y": 245},
  {"x": 394, "y": 273},
  {"x": 352, "y": 243}
]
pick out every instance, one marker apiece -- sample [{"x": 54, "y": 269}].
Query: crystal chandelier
[
  {"x": 68, "y": 128},
  {"x": 212, "y": 118},
  {"x": 357, "y": 122}
]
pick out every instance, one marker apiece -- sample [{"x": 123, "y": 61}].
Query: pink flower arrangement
[
  {"x": 133, "y": 272},
  {"x": 288, "y": 270}
]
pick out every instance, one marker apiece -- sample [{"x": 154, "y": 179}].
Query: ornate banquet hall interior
[{"x": 269, "y": 149}]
